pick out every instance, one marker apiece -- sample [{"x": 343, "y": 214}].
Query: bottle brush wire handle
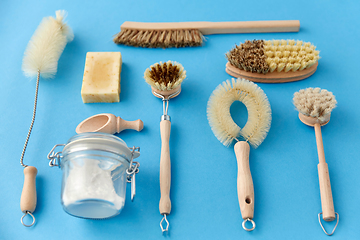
[{"x": 41, "y": 58}]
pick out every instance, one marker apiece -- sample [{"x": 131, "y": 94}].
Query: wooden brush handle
[
  {"x": 122, "y": 124},
  {"x": 327, "y": 203},
  {"x": 165, "y": 168},
  {"x": 245, "y": 185},
  {"x": 207, "y": 28},
  {"x": 28, "y": 195}
]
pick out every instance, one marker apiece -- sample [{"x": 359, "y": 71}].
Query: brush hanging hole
[
  {"x": 244, "y": 223},
  {"x": 27, "y": 213},
  {"x": 248, "y": 200}
]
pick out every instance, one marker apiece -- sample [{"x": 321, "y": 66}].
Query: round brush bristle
[
  {"x": 256, "y": 102},
  {"x": 315, "y": 102},
  {"x": 165, "y": 76}
]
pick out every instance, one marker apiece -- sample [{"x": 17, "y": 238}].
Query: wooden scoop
[
  {"x": 108, "y": 123},
  {"x": 327, "y": 203}
]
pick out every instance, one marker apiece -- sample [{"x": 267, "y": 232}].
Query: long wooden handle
[
  {"x": 208, "y": 28},
  {"x": 28, "y": 195},
  {"x": 165, "y": 168},
  {"x": 245, "y": 185},
  {"x": 327, "y": 203}
]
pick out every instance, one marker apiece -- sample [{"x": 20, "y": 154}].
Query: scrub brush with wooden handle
[
  {"x": 254, "y": 132},
  {"x": 273, "y": 61},
  {"x": 41, "y": 58},
  {"x": 315, "y": 106},
  {"x": 165, "y": 80},
  {"x": 190, "y": 34}
]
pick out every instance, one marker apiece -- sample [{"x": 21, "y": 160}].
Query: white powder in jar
[{"x": 89, "y": 181}]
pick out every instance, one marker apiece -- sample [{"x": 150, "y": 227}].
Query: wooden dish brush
[
  {"x": 273, "y": 61},
  {"x": 315, "y": 106},
  {"x": 254, "y": 132},
  {"x": 165, "y": 80}
]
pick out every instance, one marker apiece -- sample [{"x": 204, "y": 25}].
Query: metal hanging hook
[
  {"x": 22, "y": 218},
  {"x": 337, "y": 222},
  {"x": 251, "y": 221},
  {"x": 167, "y": 224}
]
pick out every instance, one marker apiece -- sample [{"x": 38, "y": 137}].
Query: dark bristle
[
  {"x": 165, "y": 74},
  {"x": 160, "y": 38},
  {"x": 249, "y": 56}
]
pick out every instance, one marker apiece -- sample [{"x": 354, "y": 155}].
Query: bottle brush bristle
[{"x": 46, "y": 45}]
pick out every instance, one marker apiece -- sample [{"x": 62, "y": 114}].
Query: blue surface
[{"x": 203, "y": 191}]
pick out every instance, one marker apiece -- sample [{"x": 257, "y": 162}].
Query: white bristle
[
  {"x": 46, "y": 45},
  {"x": 314, "y": 102},
  {"x": 256, "y": 102}
]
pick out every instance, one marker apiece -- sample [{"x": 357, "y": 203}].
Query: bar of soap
[{"x": 101, "y": 82}]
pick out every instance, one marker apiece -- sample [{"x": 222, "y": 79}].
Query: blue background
[{"x": 203, "y": 191}]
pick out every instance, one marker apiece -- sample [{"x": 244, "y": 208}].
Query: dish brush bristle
[
  {"x": 46, "y": 45},
  {"x": 257, "y": 104},
  {"x": 261, "y": 56},
  {"x": 165, "y": 76},
  {"x": 160, "y": 38},
  {"x": 314, "y": 102}
]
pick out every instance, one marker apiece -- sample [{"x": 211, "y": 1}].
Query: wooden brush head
[
  {"x": 165, "y": 78},
  {"x": 166, "y": 94},
  {"x": 314, "y": 105}
]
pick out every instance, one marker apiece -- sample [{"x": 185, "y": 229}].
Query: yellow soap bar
[{"x": 101, "y": 82}]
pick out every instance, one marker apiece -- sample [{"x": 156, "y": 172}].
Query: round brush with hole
[
  {"x": 315, "y": 106},
  {"x": 254, "y": 132},
  {"x": 41, "y": 58},
  {"x": 165, "y": 80}
]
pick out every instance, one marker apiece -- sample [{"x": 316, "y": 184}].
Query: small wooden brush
[
  {"x": 315, "y": 106},
  {"x": 190, "y": 34},
  {"x": 273, "y": 61},
  {"x": 165, "y": 80}
]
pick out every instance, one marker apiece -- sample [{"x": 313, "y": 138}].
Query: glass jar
[{"x": 96, "y": 167}]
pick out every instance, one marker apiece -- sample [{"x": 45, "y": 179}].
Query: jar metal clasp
[
  {"x": 132, "y": 171},
  {"x": 55, "y": 157}
]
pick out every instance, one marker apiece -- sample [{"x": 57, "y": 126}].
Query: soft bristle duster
[
  {"x": 314, "y": 102},
  {"x": 256, "y": 102},
  {"x": 46, "y": 45},
  {"x": 165, "y": 76},
  {"x": 260, "y": 56},
  {"x": 160, "y": 38}
]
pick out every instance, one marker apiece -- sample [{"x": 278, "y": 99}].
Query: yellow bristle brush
[
  {"x": 165, "y": 80},
  {"x": 273, "y": 61},
  {"x": 190, "y": 34},
  {"x": 315, "y": 106},
  {"x": 41, "y": 58},
  {"x": 254, "y": 132}
]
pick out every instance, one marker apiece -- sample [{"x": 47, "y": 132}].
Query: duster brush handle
[
  {"x": 28, "y": 195},
  {"x": 327, "y": 203},
  {"x": 165, "y": 168},
  {"x": 208, "y": 28},
  {"x": 245, "y": 185}
]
